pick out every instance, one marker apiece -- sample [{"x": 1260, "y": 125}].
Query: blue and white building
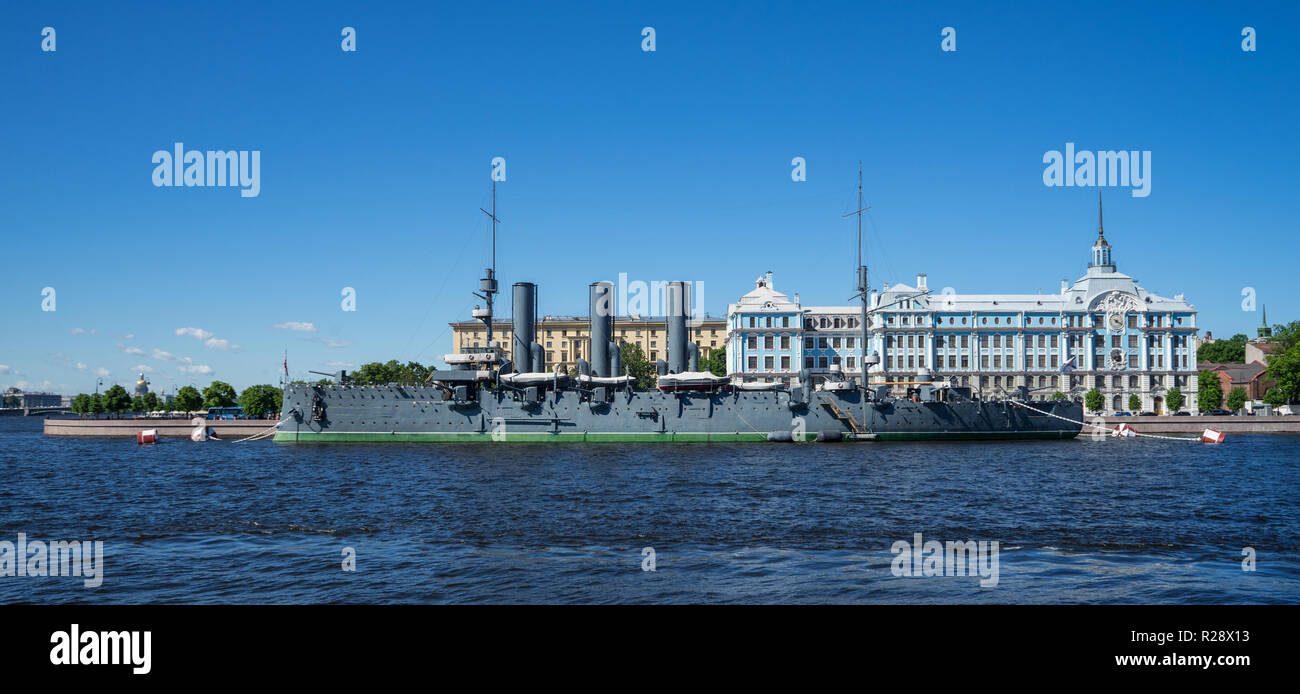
[{"x": 1102, "y": 331}]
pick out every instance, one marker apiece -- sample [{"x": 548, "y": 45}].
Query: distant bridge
[{"x": 34, "y": 411}]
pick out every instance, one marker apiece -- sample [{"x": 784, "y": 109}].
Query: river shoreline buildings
[{"x": 1101, "y": 331}]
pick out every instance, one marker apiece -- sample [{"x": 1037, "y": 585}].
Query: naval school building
[{"x": 1102, "y": 331}]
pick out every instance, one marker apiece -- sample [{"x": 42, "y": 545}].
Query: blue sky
[{"x": 672, "y": 164}]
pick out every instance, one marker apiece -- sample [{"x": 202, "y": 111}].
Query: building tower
[
  {"x": 1101, "y": 249},
  {"x": 1264, "y": 332}
]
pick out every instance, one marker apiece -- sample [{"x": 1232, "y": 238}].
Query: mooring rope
[
  {"x": 1102, "y": 427},
  {"x": 260, "y": 435}
]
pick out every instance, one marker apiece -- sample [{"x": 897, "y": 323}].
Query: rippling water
[{"x": 1109, "y": 521}]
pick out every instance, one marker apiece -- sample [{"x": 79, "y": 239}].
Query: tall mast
[
  {"x": 864, "y": 295},
  {"x": 488, "y": 285}
]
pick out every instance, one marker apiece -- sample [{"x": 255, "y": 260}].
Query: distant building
[
  {"x": 16, "y": 397},
  {"x": 564, "y": 340},
  {"x": 1252, "y": 376},
  {"x": 1102, "y": 331}
]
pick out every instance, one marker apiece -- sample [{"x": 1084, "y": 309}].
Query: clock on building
[{"x": 1116, "y": 321}]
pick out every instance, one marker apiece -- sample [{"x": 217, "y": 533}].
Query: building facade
[
  {"x": 565, "y": 339},
  {"x": 1102, "y": 331}
]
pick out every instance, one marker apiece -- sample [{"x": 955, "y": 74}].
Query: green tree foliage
[
  {"x": 1174, "y": 399},
  {"x": 1222, "y": 351},
  {"x": 81, "y": 404},
  {"x": 1274, "y": 397},
  {"x": 1209, "y": 394},
  {"x": 116, "y": 400},
  {"x": 1286, "y": 336},
  {"x": 1237, "y": 399},
  {"x": 150, "y": 402},
  {"x": 261, "y": 400},
  {"x": 188, "y": 399},
  {"x": 1094, "y": 401},
  {"x": 1134, "y": 402},
  {"x": 637, "y": 366},
  {"x": 219, "y": 394},
  {"x": 1284, "y": 369},
  {"x": 1058, "y": 395},
  {"x": 376, "y": 374},
  {"x": 716, "y": 364},
  {"x": 137, "y": 404},
  {"x": 97, "y": 404}
]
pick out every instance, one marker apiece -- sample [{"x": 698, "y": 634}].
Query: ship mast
[
  {"x": 488, "y": 284},
  {"x": 864, "y": 295}
]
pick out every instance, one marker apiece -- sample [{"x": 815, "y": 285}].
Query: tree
[
  {"x": 634, "y": 362},
  {"x": 97, "y": 404},
  {"x": 1237, "y": 399},
  {"x": 150, "y": 402},
  {"x": 1209, "y": 391},
  {"x": 1274, "y": 397},
  {"x": 116, "y": 399},
  {"x": 137, "y": 404},
  {"x": 81, "y": 404},
  {"x": 261, "y": 400},
  {"x": 1220, "y": 351},
  {"x": 1287, "y": 336},
  {"x": 219, "y": 394},
  {"x": 1058, "y": 395},
  {"x": 188, "y": 399},
  {"x": 1284, "y": 369},
  {"x": 377, "y": 374},
  {"x": 1174, "y": 399},
  {"x": 1094, "y": 400},
  {"x": 1134, "y": 402},
  {"x": 716, "y": 364}
]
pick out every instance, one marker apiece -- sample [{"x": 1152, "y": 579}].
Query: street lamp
[{"x": 98, "y": 382}]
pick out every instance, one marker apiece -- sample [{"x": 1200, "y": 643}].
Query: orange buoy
[
  {"x": 146, "y": 436},
  {"x": 1212, "y": 436}
]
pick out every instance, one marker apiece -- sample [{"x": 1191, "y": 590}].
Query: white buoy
[
  {"x": 200, "y": 432},
  {"x": 1212, "y": 436},
  {"x": 146, "y": 436}
]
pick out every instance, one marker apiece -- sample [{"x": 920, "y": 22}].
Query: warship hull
[{"x": 397, "y": 413}]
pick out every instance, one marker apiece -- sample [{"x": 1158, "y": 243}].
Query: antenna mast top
[{"x": 488, "y": 285}]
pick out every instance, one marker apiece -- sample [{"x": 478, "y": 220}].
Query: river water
[{"x": 1084, "y": 521}]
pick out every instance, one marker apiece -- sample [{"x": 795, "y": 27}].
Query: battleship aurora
[{"x": 482, "y": 396}]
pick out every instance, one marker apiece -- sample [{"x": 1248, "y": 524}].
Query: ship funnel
[
  {"x": 675, "y": 309},
  {"x": 601, "y": 326},
  {"x": 615, "y": 360},
  {"x": 523, "y": 324}
]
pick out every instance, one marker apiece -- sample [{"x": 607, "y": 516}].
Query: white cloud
[
  {"x": 164, "y": 356},
  {"x": 195, "y": 369},
  {"x": 296, "y": 325},
  {"x": 142, "y": 368},
  {"x": 83, "y": 331},
  {"x": 339, "y": 364},
  {"x": 128, "y": 336},
  {"x": 4, "y": 369},
  {"x": 81, "y": 366},
  {"x": 101, "y": 371},
  {"x": 218, "y": 343},
  {"x": 329, "y": 342},
  {"x": 196, "y": 333}
]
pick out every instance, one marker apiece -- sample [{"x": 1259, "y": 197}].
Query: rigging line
[
  {"x": 429, "y": 307},
  {"x": 444, "y": 332}
]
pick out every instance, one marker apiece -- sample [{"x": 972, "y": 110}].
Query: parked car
[
  {"x": 1182, "y": 413},
  {"x": 1122, "y": 414},
  {"x": 1216, "y": 413},
  {"x": 1146, "y": 414}
]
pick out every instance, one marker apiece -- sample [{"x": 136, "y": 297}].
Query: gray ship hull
[{"x": 400, "y": 413}]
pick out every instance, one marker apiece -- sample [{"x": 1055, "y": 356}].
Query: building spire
[{"x": 1101, "y": 228}]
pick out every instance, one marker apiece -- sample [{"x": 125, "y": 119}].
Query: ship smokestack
[
  {"x": 601, "y": 326},
  {"x": 523, "y": 324},
  {"x": 675, "y": 303},
  {"x": 615, "y": 360}
]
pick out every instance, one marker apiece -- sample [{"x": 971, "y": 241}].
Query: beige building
[{"x": 566, "y": 338}]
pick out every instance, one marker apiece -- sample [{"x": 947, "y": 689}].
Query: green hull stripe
[{"x": 630, "y": 437}]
